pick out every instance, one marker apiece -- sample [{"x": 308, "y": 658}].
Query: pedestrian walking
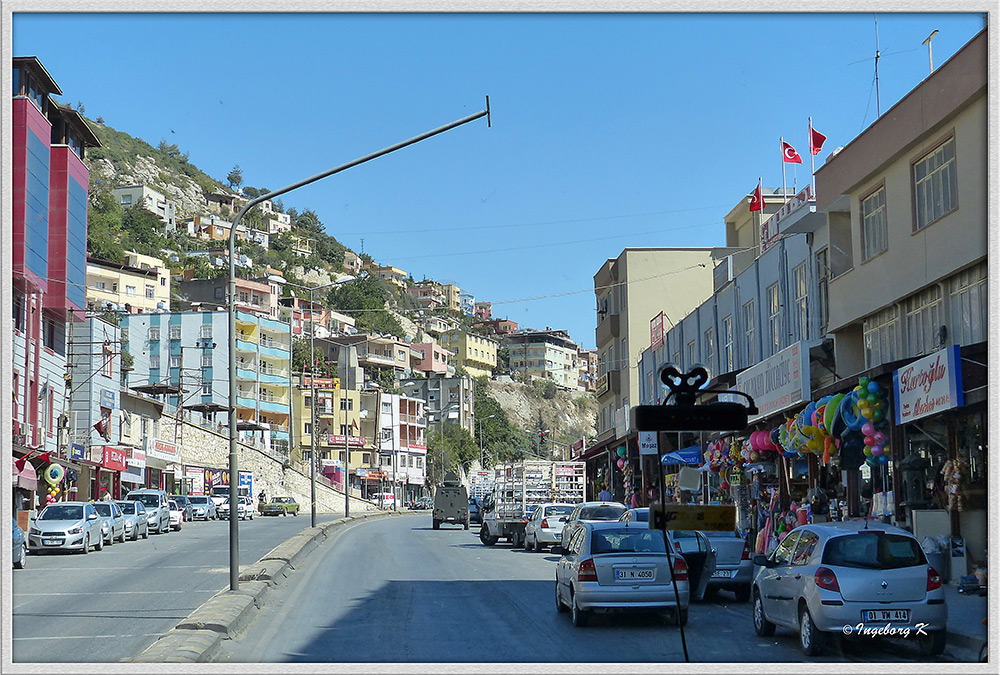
[{"x": 604, "y": 495}]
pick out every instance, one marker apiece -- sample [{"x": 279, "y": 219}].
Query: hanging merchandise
[
  {"x": 871, "y": 406},
  {"x": 956, "y": 482}
]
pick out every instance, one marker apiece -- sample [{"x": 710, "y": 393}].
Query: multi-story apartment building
[
  {"x": 468, "y": 303},
  {"x": 483, "y": 310},
  {"x": 142, "y": 284},
  {"x": 184, "y": 356},
  {"x": 303, "y": 247},
  {"x": 450, "y": 399},
  {"x": 338, "y": 425},
  {"x": 48, "y": 237},
  {"x": 433, "y": 359},
  {"x": 428, "y": 295},
  {"x": 302, "y": 316},
  {"x": 389, "y": 273},
  {"x": 436, "y": 326},
  {"x": 545, "y": 355},
  {"x": 587, "y": 360},
  {"x": 151, "y": 200},
  {"x": 476, "y": 353},
  {"x": 213, "y": 228},
  {"x": 258, "y": 296},
  {"x": 452, "y": 296},
  {"x": 375, "y": 354},
  {"x": 496, "y": 326},
  {"x": 352, "y": 263},
  {"x": 400, "y": 443}
]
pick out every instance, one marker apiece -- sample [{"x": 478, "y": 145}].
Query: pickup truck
[{"x": 279, "y": 506}]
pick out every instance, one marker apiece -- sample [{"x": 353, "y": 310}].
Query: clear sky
[{"x": 609, "y": 130}]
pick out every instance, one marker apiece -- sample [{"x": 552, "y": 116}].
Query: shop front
[{"x": 161, "y": 458}]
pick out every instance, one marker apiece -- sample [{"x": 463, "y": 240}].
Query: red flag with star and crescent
[
  {"x": 788, "y": 153},
  {"x": 757, "y": 201}
]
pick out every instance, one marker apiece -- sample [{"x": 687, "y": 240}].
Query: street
[
  {"x": 110, "y": 605},
  {"x": 397, "y": 591}
]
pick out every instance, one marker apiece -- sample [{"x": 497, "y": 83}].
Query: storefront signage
[
  {"x": 415, "y": 446},
  {"x": 688, "y": 455},
  {"x": 929, "y": 386},
  {"x": 113, "y": 458},
  {"x": 770, "y": 229},
  {"x": 776, "y": 383},
  {"x": 138, "y": 458},
  {"x": 196, "y": 476},
  {"x": 602, "y": 384},
  {"x": 162, "y": 450},
  {"x": 77, "y": 451},
  {"x": 107, "y": 399},
  {"x": 656, "y": 332},
  {"x": 648, "y": 443},
  {"x": 332, "y": 439}
]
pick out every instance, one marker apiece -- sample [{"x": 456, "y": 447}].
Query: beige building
[
  {"x": 631, "y": 289},
  {"x": 545, "y": 355},
  {"x": 476, "y": 353},
  {"x": 142, "y": 283},
  {"x": 391, "y": 274},
  {"x": 452, "y": 297}
]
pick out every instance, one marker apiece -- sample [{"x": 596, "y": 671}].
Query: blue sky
[{"x": 609, "y": 130}]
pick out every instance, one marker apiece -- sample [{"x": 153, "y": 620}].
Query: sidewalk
[{"x": 965, "y": 618}]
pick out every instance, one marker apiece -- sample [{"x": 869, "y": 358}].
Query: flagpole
[
  {"x": 812, "y": 159},
  {"x": 760, "y": 216},
  {"x": 781, "y": 146}
]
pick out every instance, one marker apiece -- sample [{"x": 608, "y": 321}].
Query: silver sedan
[
  {"x": 136, "y": 519},
  {"x": 202, "y": 508},
  {"x": 113, "y": 522},
  {"x": 611, "y": 566},
  {"x": 544, "y": 528}
]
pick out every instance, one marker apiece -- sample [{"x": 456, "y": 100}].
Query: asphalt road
[
  {"x": 397, "y": 591},
  {"x": 110, "y": 605}
]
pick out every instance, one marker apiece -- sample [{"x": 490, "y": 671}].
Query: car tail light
[
  {"x": 680, "y": 569},
  {"x": 933, "y": 579},
  {"x": 826, "y": 578},
  {"x": 746, "y": 550},
  {"x": 545, "y": 523},
  {"x": 588, "y": 572}
]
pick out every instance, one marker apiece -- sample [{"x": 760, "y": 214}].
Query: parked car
[
  {"x": 245, "y": 508},
  {"x": 611, "y": 566},
  {"x": 733, "y": 564},
  {"x": 475, "y": 511},
  {"x": 112, "y": 522},
  {"x": 280, "y": 506},
  {"x": 187, "y": 508},
  {"x": 19, "y": 546},
  {"x": 136, "y": 519},
  {"x": 157, "y": 508},
  {"x": 545, "y": 526},
  {"x": 222, "y": 509},
  {"x": 423, "y": 503},
  {"x": 202, "y": 508},
  {"x": 589, "y": 512},
  {"x": 176, "y": 515},
  {"x": 824, "y": 577},
  {"x": 66, "y": 526},
  {"x": 694, "y": 546}
]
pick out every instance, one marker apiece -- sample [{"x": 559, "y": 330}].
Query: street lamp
[
  {"x": 441, "y": 415},
  {"x": 312, "y": 387},
  {"x": 234, "y": 532},
  {"x": 481, "y": 436}
]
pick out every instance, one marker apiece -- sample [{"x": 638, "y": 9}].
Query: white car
[
  {"x": 176, "y": 515},
  {"x": 245, "y": 508},
  {"x": 544, "y": 528}
]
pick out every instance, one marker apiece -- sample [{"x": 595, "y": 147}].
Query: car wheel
[
  {"x": 580, "y": 617},
  {"x": 86, "y": 545},
  {"x": 110, "y": 541},
  {"x": 742, "y": 594},
  {"x": 437, "y": 524},
  {"x": 122, "y": 540},
  {"x": 761, "y": 625},
  {"x": 466, "y": 523},
  {"x": 933, "y": 643},
  {"x": 145, "y": 533},
  {"x": 810, "y": 638},
  {"x": 484, "y": 536},
  {"x": 560, "y": 607},
  {"x": 100, "y": 544},
  {"x": 22, "y": 555},
  {"x": 295, "y": 512},
  {"x": 528, "y": 546}
]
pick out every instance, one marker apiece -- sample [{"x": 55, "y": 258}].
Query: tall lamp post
[
  {"x": 441, "y": 415},
  {"x": 312, "y": 387},
  {"x": 234, "y": 532},
  {"x": 481, "y": 436}
]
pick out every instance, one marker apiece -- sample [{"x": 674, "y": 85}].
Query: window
[
  {"x": 823, "y": 295},
  {"x": 969, "y": 308},
  {"x": 923, "y": 321},
  {"x": 690, "y": 354},
  {"x": 175, "y": 360},
  {"x": 206, "y": 389},
  {"x": 175, "y": 332},
  {"x": 206, "y": 360},
  {"x": 748, "y": 326},
  {"x": 154, "y": 333},
  {"x": 343, "y": 429},
  {"x": 800, "y": 287},
  {"x": 804, "y": 549},
  {"x": 107, "y": 361},
  {"x": 880, "y": 337},
  {"x": 774, "y": 318},
  {"x": 206, "y": 331},
  {"x": 126, "y": 200},
  {"x": 727, "y": 364},
  {"x": 163, "y": 281},
  {"x": 99, "y": 285},
  {"x": 935, "y": 184},
  {"x": 154, "y": 361},
  {"x": 129, "y": 290},
  {"x": 220, "y": 292},
  {"x": 709, "y": 348},
  {"x": 874, "y": 239},
  {"x": 150, "y": 291},
  {"x": 347, "y": 404},
  {"x": 308, "y": 428}
]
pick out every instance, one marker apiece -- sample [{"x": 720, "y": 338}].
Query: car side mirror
[
  {"x": 557, "y": 550},
  {"x": 762, "y": 560},
  {"x": 92, "y": 516}
]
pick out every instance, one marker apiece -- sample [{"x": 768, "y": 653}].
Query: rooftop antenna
[
  {"x": 930, "y": 53},
  {"x": 878, "y": 104}
]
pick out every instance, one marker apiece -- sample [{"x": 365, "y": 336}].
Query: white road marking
[
  {"x": 28, "y": 595},
  {"x": 84, "y": 637}
]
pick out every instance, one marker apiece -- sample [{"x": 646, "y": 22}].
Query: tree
[
  {"x": 235, "y": 178},
  {"x": 251, "y": 192},
  {"x": 300, "y": 357},
  {"x": 459, "y": 449}
]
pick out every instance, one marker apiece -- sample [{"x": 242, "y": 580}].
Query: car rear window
[
  {"x": 874, "y": 550},
  {"x": 199, "y": 500},
  {"x": 558, "y": 510},
  {"x": 602, "y": 512},
  {"x": 627, "y": 541}
]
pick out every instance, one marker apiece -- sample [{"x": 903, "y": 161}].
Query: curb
[{"x": 196, "y": 639}]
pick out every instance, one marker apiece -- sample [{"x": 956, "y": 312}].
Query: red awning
[{"x": 26, "y": 478}]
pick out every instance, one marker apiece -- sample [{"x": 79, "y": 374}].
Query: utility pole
[{"x": 930, "y": 53}]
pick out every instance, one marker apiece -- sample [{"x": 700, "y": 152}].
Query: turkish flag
[
  {"x": 788, "y": 153},
  {"x": 757, "y": 201},
  {"x": 816, "y": 140}
]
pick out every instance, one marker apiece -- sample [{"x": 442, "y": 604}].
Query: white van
[{"x": 220, "y": 493}]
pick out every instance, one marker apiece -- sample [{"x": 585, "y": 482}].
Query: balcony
[
  {"x": 275, "y": 406},
  {"x": 609, "y": 328}
]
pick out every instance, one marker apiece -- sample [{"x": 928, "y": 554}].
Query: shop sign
[
  {"x": 197, "y": 477},
  {"x": 161, "y": 450},
  {"x": 138, "y": 458},
  {"x": 332, "y": 439},
  {"x": 688, "y": 455},
  {"x": 770, "y": 229},
  {"x": 647, "y": 443},
  {"x": 107, "y": 399},
  {"x": 929, "y": 386},
  {"x": 656, "y": 332},
  {"x": 216, "y": 478},
  {"x": 77, "y": 451},
  {"x": 776, "y": 383},
  {"x": 113, "y": 458},
  {"x": 415, "y": 446},
  {"x": 602, "y": 384}
]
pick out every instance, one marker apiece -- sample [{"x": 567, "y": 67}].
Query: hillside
[{"x": 569, "y": 416}]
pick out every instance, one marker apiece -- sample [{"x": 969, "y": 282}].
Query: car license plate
[
  {"x": 885, "y": 615},
  {"x": 51, "y": 542},
  {"x": 722, "y": 574},
  {"x": 629, "y": 575}
]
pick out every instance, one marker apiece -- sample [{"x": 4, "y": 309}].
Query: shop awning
[{"x": 26, "y": 478}]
